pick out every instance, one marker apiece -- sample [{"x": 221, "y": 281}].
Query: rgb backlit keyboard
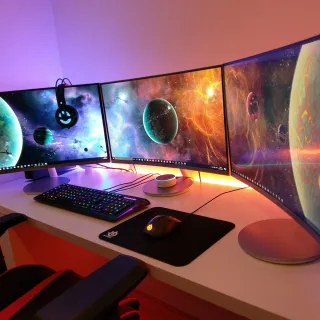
[{"x": 99, "y": 204}]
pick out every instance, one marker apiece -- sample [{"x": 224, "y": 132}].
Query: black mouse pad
[{"x": 193, "y": 237}]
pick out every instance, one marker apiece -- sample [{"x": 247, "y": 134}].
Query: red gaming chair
[{"x": 39, "y": 292}]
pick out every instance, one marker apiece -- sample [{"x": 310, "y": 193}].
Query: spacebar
[{"x": 62, "y": 202}]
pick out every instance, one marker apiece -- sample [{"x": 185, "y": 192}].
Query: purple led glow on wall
[{"x": 29, "y": 56}]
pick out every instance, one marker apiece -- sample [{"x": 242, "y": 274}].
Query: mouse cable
[
  {"x": 219, "y": 195},
  {"x": 126, "y": 184}
]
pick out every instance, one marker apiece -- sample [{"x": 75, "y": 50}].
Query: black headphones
[{"x": 66, "y": 116}]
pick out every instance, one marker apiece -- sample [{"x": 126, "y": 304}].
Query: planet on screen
[
  {"x": 273, "y": 108},
  {"x": 30, "y": 134},
  {"x": 175, "y": 117}
]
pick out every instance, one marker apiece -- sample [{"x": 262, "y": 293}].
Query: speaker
[{"x": 66, "y": 116}]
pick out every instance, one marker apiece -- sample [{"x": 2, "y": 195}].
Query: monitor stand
[
  {"x": 281, "y": 241},
  {"x": 44, "y": 184}
]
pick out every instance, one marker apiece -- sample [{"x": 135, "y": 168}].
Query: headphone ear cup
[{"x": 67, "y": 116}]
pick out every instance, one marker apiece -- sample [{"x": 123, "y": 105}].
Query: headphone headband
[
  {"x": 66, "y": 116},
  {"x": 61, "y": 100}
]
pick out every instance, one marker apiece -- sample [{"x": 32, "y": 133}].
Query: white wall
[
  {"x": 103, "y": 40},
  {"x": 29, "y": 56}
]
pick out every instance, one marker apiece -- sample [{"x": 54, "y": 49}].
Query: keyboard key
[{"x": 99, "y": 204}]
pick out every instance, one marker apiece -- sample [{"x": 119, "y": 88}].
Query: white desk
[{"x": 224, "y": 275}]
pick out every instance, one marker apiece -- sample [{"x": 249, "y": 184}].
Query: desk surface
[{"x": 224, "y": 275}]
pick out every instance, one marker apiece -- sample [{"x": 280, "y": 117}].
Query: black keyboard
[{"x": 103, "y": 205}]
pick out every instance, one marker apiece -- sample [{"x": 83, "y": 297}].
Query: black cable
[
  {"x": 138, "y": 184},
  {"x": 106, "y": 167},
  {"x": 57, "y": 81},
  {"x": 149, "y": 175},
  {"x": 112, "y": 168},
  {"x": 63, "y": 80},
  {"x": 221, "y": 194},
  {"x": 132, "y": 186}
]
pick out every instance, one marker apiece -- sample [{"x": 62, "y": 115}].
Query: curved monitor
[
  {"x": 30, "y": 136},
  {"x": 273, "y": 112},
  {"x": 174, "y": 120}
]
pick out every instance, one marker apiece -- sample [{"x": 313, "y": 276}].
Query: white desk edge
[{"x": 223, "y": 275}]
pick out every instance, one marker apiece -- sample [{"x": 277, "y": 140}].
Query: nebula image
[
  {"x": 30, "y": 134},
  {"x": 176, "y": 117},
  {"x": 276, "y": 142}
]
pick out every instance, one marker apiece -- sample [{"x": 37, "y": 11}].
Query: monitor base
[
  {"x": 183, "y": 185},
  {"x": 44, "y": 184},
  {"x": 281, "y": 241}
]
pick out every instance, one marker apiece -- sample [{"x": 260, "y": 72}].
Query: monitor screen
[
  {"x": 175, "y": 120},
  {"x": 31, "y": 137},
  {"x": 273, "y": 112}
]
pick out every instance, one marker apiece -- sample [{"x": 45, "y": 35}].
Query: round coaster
[{"x": 182, "y": 185}]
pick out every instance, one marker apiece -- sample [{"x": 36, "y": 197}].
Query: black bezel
[
  {"x": 68, "y": 162},
  {"x": 314, "y": 38},
  {"x": 184, "y": 167}
]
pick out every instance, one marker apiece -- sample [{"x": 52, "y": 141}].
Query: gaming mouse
[{"x": 161, "y": 225}]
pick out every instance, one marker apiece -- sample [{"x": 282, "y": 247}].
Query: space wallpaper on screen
[
  {"x": 29, "y": 133},
  {"x": 273, "y": 111},
  {"x": 177, "y": 117}
]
